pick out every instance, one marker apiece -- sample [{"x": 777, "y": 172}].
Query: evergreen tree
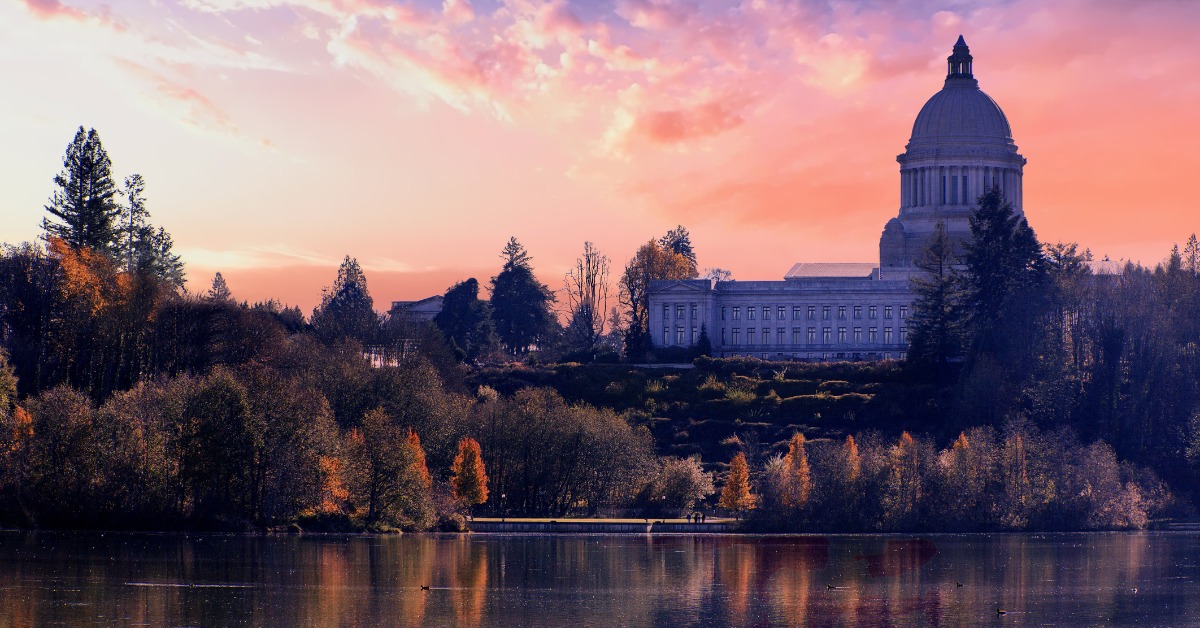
[
  {"x": 520, "y": 303},
  {"x": 346, "y": 308},
  {"x": 935, "y": 330},
  {"x": 466, "y": 321},
  {"x": 704, "y": 344},
  {"x": 679, "y": 242},
  {"x": 1191, "y": 255},
  {"x": 140, "y": 247},
  {"x": 1005, "y": 272},
  {"x": 84, "y": 203},
  {"x": 133, "y": 223},
  {"x": 219, "y": 290}
]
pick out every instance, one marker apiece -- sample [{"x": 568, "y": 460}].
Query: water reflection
[{"x": 56, "y": 578}]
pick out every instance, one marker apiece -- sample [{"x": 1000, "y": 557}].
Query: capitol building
[{"x": 961, "y": 144}]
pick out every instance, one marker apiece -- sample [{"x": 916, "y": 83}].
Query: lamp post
[{"x": 503, "y": 506}]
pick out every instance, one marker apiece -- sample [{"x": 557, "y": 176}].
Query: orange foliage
[
  {"x": 468, "y": 476},
  {"x": 736, "y": 495},
  {"x": 334, "y": 490},
  {"x": 799, "y": 479},
  {"x": 419, "y": 468}
]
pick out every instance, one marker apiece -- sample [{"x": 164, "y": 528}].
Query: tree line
[{"x": 127, "y": 401}]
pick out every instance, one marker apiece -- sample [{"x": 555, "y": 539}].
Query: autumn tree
[
  {"x": 735, "y": 495},
  {"x": 799, "y": 481},
  {"x": 84, "y": 208},
  {"x": 388, "y": 475},
  {"x": 679, "y": 242},
  {"x": 652, "y": 262},
  {"x": 467, "y": 475},
  {"x": 520, "y": 303},
  {"x": 347, "y": 309},
  {"x": 586, "y": 289}
]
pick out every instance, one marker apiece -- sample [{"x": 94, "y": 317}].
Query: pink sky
[{"x": 277, "y": 136}]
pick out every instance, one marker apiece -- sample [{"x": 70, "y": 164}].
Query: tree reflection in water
[{"x": 481, "y": 580}]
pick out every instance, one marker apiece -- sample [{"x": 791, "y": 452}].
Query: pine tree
[
  {"x": 467, "y": 475},
  {"x": 466, "y": 321},
  {"x": 84, "y": 203},
  {"x": 679, "y": 242},
  {"x": 520, "y": 303},
  {"x": 1004, "y": 278},
  {"x": 219, "y": 290},
  {"x": 1191, "y": 255},
  {"x": 346, "y": 308},
  {"x": 936, "y": 324},
  {"x": 140, "y": 247},
  {"x": 735, "y": 495},
  {"x": 704, "y": 344}
]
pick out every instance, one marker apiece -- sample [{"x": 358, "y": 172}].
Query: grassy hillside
[{"x": 692, "y": 411}]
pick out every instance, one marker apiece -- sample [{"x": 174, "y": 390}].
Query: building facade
[{"x": 961, "y": 144}]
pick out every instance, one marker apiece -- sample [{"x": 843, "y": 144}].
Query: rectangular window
[
  {"x": 796, "y": 313},
  {"x": 857, "y": 335},
  {"x": 966, "y": 195},
  {"x": 666, "y": 336},
  {"x": 872, "y": 335},
  {"x": 796, "y": 336},
  {"x": 695, "y": 337},
  {"x": 943, "y": 189},
  {"x": 736, "y": 333},
  {"x": 679, "y": 335},
  {"x": 887, "y": 311},
  {"x": 751, "y": 312},
  {"x": 766, "y": 335},
  {"x": 857, "y": 312},
  {"x": 903, "y": 335},
  {"x": 722, "y": 335},
  {"x": 953, "y": 190},
  {"x": 679, "y": 311},
  {"x": 812, "y": 312},
  {"x": 812, "y": 335},
  {"x": 780, "y": 335},
  {"x": 826, "y": 335},
  {"x": 903, "y": 311},
  {"x": 841, "y": 312},
  {"x": 737, "y": 313},
  {"x": 873, "y": 311},
  {"x": 723, "y": 312},
  {"x": 694, "y": 310},
  {"x": 824, "y": 312},
  {"x": 782, "y": 312},
  {"x": 841, "y": 335},
  {"x": 766, "y": 312},
  {"x": 666, "y": 311},
  {"x": 887, "y": 335}
]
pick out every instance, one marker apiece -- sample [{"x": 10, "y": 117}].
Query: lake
[{"x": 50, "y": 578}]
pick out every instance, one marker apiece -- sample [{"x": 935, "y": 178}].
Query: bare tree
[{"x": 586, "y": 287}]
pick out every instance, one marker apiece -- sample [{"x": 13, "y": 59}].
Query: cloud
[{"x": 48, "y": 9}]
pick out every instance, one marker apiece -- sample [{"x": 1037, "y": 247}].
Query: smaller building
[{"x": 419, "y": 311}]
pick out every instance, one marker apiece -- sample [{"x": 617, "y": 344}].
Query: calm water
[{"x": 1064, "y": 579}]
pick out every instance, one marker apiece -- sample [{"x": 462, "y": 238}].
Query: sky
[{"x": 278, "y": 136}]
